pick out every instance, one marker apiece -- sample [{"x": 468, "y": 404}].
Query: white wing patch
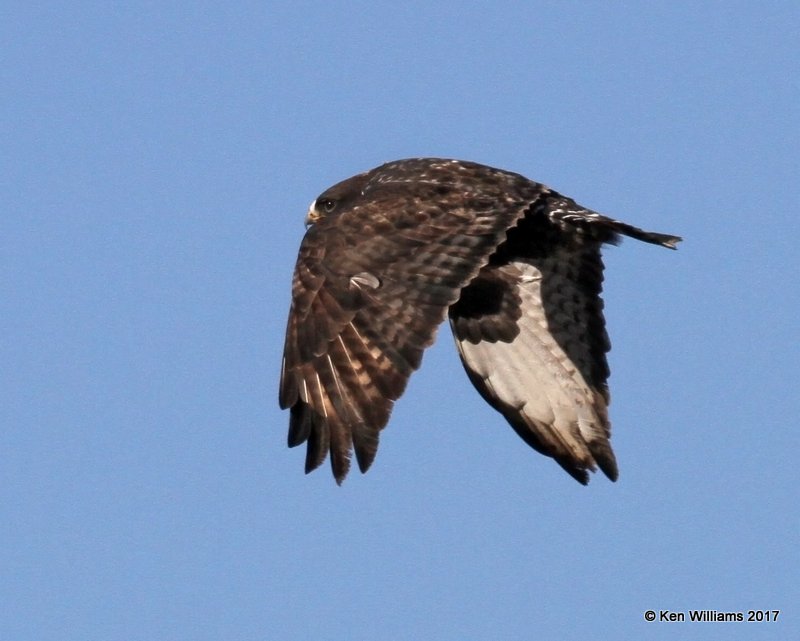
[
  {"x": 534, "y": 377},
  {"x": 365, "y": 279}
]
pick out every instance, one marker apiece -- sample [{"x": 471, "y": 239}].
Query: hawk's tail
[{"x": 665, "y": 240}]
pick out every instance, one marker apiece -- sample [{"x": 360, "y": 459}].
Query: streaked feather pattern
[{"x": 394, "y": 251}]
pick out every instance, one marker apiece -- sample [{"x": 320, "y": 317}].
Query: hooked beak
[{"x": 313, "y": 215}]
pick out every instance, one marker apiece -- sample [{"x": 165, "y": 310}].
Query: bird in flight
[{"x": 514, "y": 266}]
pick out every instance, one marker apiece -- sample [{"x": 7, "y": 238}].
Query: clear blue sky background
[{"x": 156, "y": 163}]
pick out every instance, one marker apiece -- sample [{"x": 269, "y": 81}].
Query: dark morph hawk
[{"x": 514, "y": 265}]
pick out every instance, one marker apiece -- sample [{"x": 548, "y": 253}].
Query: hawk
[{"x": 513, "y": 265}]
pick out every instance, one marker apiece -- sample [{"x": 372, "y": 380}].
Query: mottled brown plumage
[{"x": 393, "y": 251}]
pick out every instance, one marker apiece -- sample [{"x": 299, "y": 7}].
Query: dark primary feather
[{"x": 392, "y": 251}]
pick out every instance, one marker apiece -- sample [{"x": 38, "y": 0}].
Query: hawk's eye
[{"x": 328, "y": 205}]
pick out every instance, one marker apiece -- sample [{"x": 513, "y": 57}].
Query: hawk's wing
[
  {"x": 531, "y": 334},
  {"x": 371, "y": 285}
]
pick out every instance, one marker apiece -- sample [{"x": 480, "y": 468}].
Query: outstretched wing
[
  {"x": 371, "y": 285},
  {"x": 531, "y": 334}
]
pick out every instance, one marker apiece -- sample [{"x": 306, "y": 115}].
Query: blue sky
[{"x": 157, "y": 162}]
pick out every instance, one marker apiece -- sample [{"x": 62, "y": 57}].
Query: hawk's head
[{"x": 333, "y": 199}]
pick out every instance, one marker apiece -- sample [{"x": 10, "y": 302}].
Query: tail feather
[{"x": 665, "y": 240}]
